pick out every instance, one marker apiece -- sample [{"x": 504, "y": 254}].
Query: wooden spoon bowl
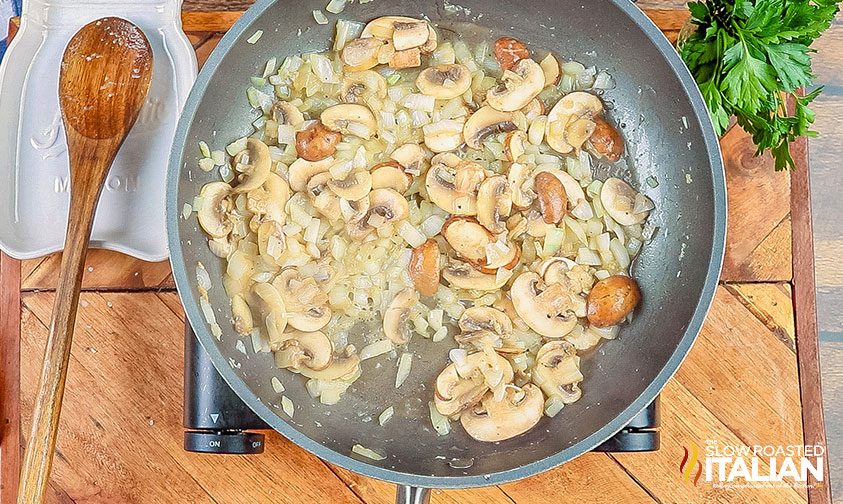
[{"x": 105, "y": 75}]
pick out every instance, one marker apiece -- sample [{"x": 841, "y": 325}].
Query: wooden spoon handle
[{"x": 38, "y": 458}]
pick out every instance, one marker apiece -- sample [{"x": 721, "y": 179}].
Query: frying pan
[{"x": 669, "y": 137}]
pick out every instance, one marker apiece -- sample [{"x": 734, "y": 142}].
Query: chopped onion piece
[
  {"x": 335, "y": 6},
  {"x": 404, "y": 363},
  {"x": 440, "y": 334},
  {"x": 553, "y": 405},
  {"x": 255, "y": 37},
  {"x": 186, "y": 210},
  {"x": 236, "y": 146},
  {"x": 411, "y": 234},
  {"x": 386, "y": 415},
  {"x": 320, "y": 17},
  {"x": 440, "y": 423},
  {"x": 287, "y": 406},
  {"x": 277, "y": 386},
  {"x": 365, "y": 452},
  {"x": 375, "y": 349},
  {"x": 588, "y": 257}
]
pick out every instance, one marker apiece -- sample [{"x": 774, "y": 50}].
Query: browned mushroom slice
[
  {"x": 396, "y": 318},
  {"x": 494, "y": 203},
  {"x": 518, "y": 87},
  {"x": 547, "y": 309},
  {"x": 304, "y": 349},
  {"x": 485, "y": 122},
  {"x": 462, "y": 384},
  {"x": 444, "y": 82},
  {"x": 557, "y": 371},
  {"x": 424, "y": 267},
  {"x": 498, "y": 419}
]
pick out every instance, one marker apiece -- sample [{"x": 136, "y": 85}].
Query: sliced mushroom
[
  {"x": 286, "y": 113},
  {"x": 494, "y": 203},
  {"x": 498, "y": 419},
  {"x": 513, "y": 144},
  {"x": 520, "y": 185},
  {"x": 316, "y": 142},
  {"x": 432, "y": 41},
  {"x": 509, "y": 51},
  {"x": 445, "y": 135},
  {"x": 573, "y": 190},
  {"x": 323, "y": 200},
  {"x": 468, "y": 238},
  {"x": 553, "y": 200},
  {"x": 518, "y": 87},
  {"x": 612, "y": 299},
  {"x": 387, "y": 205},
  {"x": 396, "y": 318},
  {"x": 463, "y": 275},
  {"x": 345, "y": 369},
  {"x": 390, "y": 175},
  {"x": 306, "y": 305},
  {"x": 273, "y": 309},
  {"x": 384, "y": 26},
  {"x": 243, "y": 322},
  {"x": 454, "y": 188},
  {"x": 409, "y": 34},
  {"x": 269, "y": 201},
  {"x": 486, "y": 121},
  {"x": 355, "y": 85},
  {"x": 312, "y": 319},
  {"x": 424, "y": 267},
  {"x": 361, "y": 54},
  {"x": 547, "y": 309},
  {"x": 408, "y": 58},
  {"x": 557, "y": 371},
  {"x": 350, "y": 119},
  {"x": 499, "y": 255},
  {"x": 444, "y": 82},
  {"x": 619, "y": 200},
  {"x": 565, "y": 114},
  {"x": 484, "y": 318},
  {"x": 550, "y": 69},
  {"x": 299, "y": 349},
  {"x": 301, "y": 171},
  {"x": 461, "y": 385},
  {"x": 354, "y": 187},
  {"x": 213, "y": 215},
  {"x": 353, "y": 210},
  {"x": 605, "y": 140},
  {"x": 533, "y": 110},
  {"x": 410, "y": 157}
]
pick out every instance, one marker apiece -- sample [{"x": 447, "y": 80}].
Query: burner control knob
[{"x": 224, "y": 442}]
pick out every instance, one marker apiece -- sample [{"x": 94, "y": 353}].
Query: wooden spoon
[{"x": 104, "y": 79}]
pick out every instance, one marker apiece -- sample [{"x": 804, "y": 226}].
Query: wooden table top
[{"x": 120, "y": 437}]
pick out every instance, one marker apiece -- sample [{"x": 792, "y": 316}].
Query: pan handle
[{"x": 406, "y": 494}]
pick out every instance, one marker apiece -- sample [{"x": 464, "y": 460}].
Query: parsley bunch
[{"x": 749, "y": 56}]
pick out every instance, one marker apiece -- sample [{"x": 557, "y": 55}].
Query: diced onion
[
  {"x": 365, "y": 452},
  {"x": 440, "y": 423},
  {"x": 553, "y": 405},
  {"x": 404, "y": 364},
  {"x": 255, "y": 37},
  {"x": 320, "y": 17},
  {"x": 287, "y": 406},
  {"x": 386, "y": 415},
  {"x": 277, "y": 386},
  {"x": 588, "y": 257},
  {"x": 335, "y": 6},
  {"x": 375, "y": 349},
  {"x": 411, "y": 234}
]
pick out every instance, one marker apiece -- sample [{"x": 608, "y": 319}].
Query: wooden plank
[
  {"x": 126, "y": 387},
  {"x": 217, "y": 21},
  {"x": 216, "y": 5},
  {"x": 592, "y": 478},
  {"x": 826, "y": 183},
  {"x": 744, "y": 374},
  {"x": 374, "y": 491},
  {"x": 750, "y": 180},
  {"x": 771, "y": 304},
  {"x": 686, "y": 421},
  {"x": 105, "y": 270},
  {"x": 10, "y": 429},
  {"x": 805, "y": 306}
]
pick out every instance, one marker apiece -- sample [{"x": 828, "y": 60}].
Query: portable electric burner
[{"x": 217, "y": 421}]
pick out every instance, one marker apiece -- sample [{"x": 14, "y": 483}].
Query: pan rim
[{"x": 196, "y": 319}]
